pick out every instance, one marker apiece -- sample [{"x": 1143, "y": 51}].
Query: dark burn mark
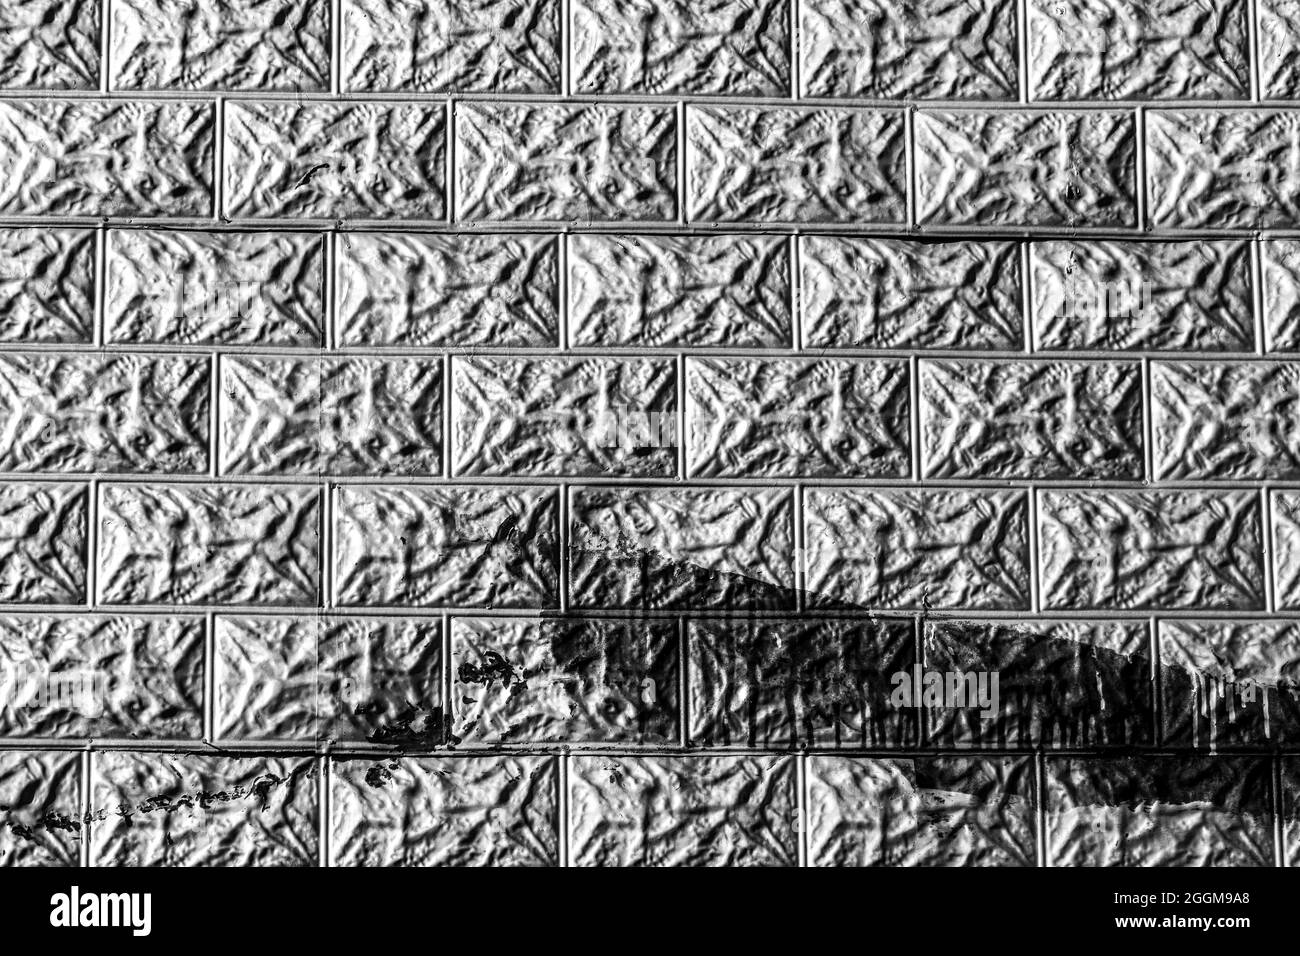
[
  {"x": 506, "y": 530},
  {"x": 380, "y": 774},
  {"x": 310, "y": 174},
  {"x": 1058, "y": 693},
  {"x": 416, "y": 728},
  {"x": 259, "y": 790},
  {"x": 60, "y": 821},
  {"x": 494, "y": 667}
]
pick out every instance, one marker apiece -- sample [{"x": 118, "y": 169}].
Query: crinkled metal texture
[{"x": 653, "y": 432}]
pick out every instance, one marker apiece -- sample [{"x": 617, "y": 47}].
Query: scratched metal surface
[{"x": 578, "y": 432}]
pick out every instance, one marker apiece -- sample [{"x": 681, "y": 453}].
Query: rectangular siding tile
[
  {"x": 917, "y": 548},
  {"x": 1286, "y": 549},
  {"x": 696, "y": 291},
  {"x": 410, "y": 290},
  {"x": 335, "y": 160},
  {"x": 1037, "y": 168},
  {"x": 1290, "y": 810},
  {"x": 803, "y": 683},
  {"x": 1143, "y": 295},
  {"x": 656, "y": 548},
  {"x": 484, "y": 811},
  {"x": 240, "y": 45},
  {"x": 558, "y": 163},
  {"x": 218, "y": 288},
  {"x": 42, "y": 794},
  {"x": 329, "y": 679},
  {"x": 1059, "y": 684},
  {"x": 1279, "y": 49},
  {"x": 769, "y": 418},
  {"x": 47, "y": 285},
  {"x": 43, "y": 531},
  {"x": 152, "y": 809},
  {"x": 1158, "y": 811},
  {"x": 351, "y": 416},
  {"x": 683, "y": 811},
  {"x": 558, "y": 682},
  {"x": 894, "y": 293},
  {"x": 1225, "y": 420},
  {"x": 925, "y": 48},
  {"x": 560, "y": 416},
  {"x": 196, "y": 545},
  {"x": 50, "y": 45},
  {"x": 123, "y": 414},
  {"x": 1138, "y": 49},
  {"x": 1031, "y": 419},
  {"x": 106, "y": 158},
  {"x": 1280, "y": 263},
  {"x": 773, "y": 165},
  {"x": 103, "y": 677},
  {"x": 464, "y": 547},
  {"x": 1231, "y": 169},
  {"x": 467, "y": 46},
  {"x": 735, "y": 47},
  {"x": 932, "y": 811},
  {"x": 1157, "y": 550},
  {"x": 1229, "y": 684}
]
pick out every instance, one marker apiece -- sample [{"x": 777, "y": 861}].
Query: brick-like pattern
[{"x": 535, "y": 432}]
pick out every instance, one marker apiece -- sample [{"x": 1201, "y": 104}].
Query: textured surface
[
  {"x": 1138, "y": 49},
  {"x": 241, "y": 45},
  {"x": 575, "y": 432}
]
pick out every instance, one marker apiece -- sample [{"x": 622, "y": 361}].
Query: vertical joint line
[
  {"x": 92, "y": 544},
  {"x": 449, "y": 140},
  {"x": 1270, "y": 558},
  {"x": 683, "y": 681},
  {"x": 1022, "y": 49},
  {"x": 99, "y": 308},
  {"x": 326, "y": 808},
  {"x": 210, "y": 676},
  {"x": 914, "y": 413},
  {"x": 566, "y": 556},
  {"x": 683, "y": 141},
  {"x": 909, "y": 166},
  {"x": 1040, "y": 806},
  {"x": 105, "y": 46},
  {"x": 1140, "y": 170},
  {"x": 1035, "y": 599},
  {"x": 1148, "y": 429},
  {"x": 327, "y": 532},
  {"x": 801, "y": 806},
  {"x": 328, "y": 334},
  {"x": 562, "y": 806},
  {"x": 566, "y": 49},
  {"x": 1157, "y": 681},
  {"x": 87, "y": 774},
  {"x": 219, "y": 173},
  {"x": 796, "y": 290},
  {"x": 1027, "y": 293},
  {"x": 683, "y": 418},
  {"x": 1254, "y": 52},
  {"x": 445, "y": 678},
  {"x": 800, "y": 551},
  {"x": 565, "y": 333},
  {"x": 214, "y": 414},
  {"x": 336, "y": 47},
  {"x": 448, "y": 419},
  {"x": 796, "y": 74},
  {"x": 1262, "y": 343}
]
